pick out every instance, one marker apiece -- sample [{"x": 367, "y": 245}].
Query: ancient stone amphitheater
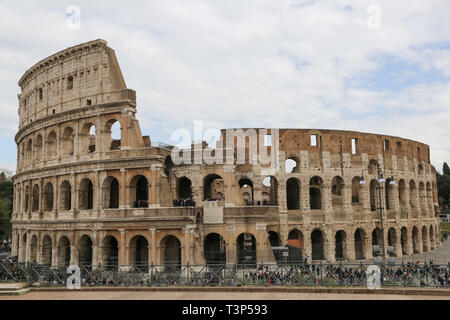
[{"x": 82, "y": 197}]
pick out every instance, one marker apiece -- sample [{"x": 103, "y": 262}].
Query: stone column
[
  {"x": 54, "y": 255},
  {"x": 325, "y": 193},
  {"x": 74, "y": 254},
  {"x": 28, "y": 249},
  {"x": 368, "y": 245},
  {"x": 307, "y": 245},
  {"x": 350, "y": 246},
  {"x": 123, "y": 259},
  {"x": 304, "y": 196},
  {"x": 187, "y": 245},
  {"x": 398, "y": 244},
  {"x": 153, "y": 245},
  {"x": 330, "y": 246}
]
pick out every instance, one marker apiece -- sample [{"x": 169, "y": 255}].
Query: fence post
[{"x": 320, "y": 270}]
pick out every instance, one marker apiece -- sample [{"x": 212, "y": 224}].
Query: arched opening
[
  {"x": 36, "y": 194},
  {"x": 29, "y": 151},
  {"x": 420, "y": 169},
  {"x": 413, "y": 197},
  {"x": 317, "y": 245},
  {"x": 377, "y": 237},
  {"x": 66, "y": 196},
  {"x": 291, "y": 165},
  {"x": 48, "y": 197},
  {"x": 373, "y": 195},
  {"x": 295, "y": 245},
  {"x": 389, "y": 194},
  {"x": 423, "y": 199},
  {"x": 246, "y": 249},
  {"x": 185, "y": 192},
  {"x": 139, "y": 191},
  {"x": 246, "y": 187},
  {"x": 214, "y": 249},
  {"x": 355, "y": 189},
  {"x": 85, "y": 251},
  {"x": 275, "y": 244},
  {"x": 46, "y": 251},
  {"x": 63, "y": 252},
  {"x": 87, "y": 138},
  {"x": 293, "y": 194},
  {"x": 337, "y": 191},
  {"x": 340, "y": 249},
  {"x": 68, "y": 141},
  {"x": 38, "y": 148},
  {"x": 359, "y": 244},
  {"x": 27, "y": 199},
  {"x": 139, "y": 252},
  {"x": 372, "y": 168},
  {"x": 315, "y": 197},
  {"x": 415, "y": 239},
  {"x": 425, "y": 239},
  {"x": 110, "y": 193},
  {"x": 392, "y": 240},
  {"x": 213, "y": 188},
  {"x": 429, "y": 199},
  {"x": 51, "y": 145},
  {"x": 270, "y": 191},
  {"x": 113, "y": 134},
  {"x": 168, "y": 166},
  {"x": 432, "y": 240},
  {"x": 86, "y": 192},
  {"x": 171, "y": 251},
  {"x": 402, "y": 198},
  {"x": 110, "y": 253},
  {"x": 33, "y": 249},
  {"x": 404, "y": 240}
]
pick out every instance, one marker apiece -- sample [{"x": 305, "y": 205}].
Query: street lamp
[{"x": 379, "y": 187}]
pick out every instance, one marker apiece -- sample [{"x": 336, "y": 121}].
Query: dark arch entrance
[
  {"x": 47, "y": 251},
  {"x": 85, "y": 251},
  {"x": 140, "y": 196},
  {"x": 110, "y": 256},
  {"x": 317, "y": 244},
  {"x": 214, "y": 249},
  {"x": 340, "y": 245},
  {"x": 246, "y": 249},
  {"x": 139, "y": 252},
  {"x": 293, "y": 194},
  {"x": 171, "y": 251},
  {"x": 184, "y": 188},
  {"x": 359, "y": 244},
  {"x": 63, "y": 251},
  {"x": 213, "y": 188},
  {"x": 315, "y": 197}
]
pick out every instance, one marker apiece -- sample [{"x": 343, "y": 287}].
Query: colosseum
[{"x": 85, "y": 197}]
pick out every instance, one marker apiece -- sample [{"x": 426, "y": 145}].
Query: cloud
[{"x": 255, "y": 63}]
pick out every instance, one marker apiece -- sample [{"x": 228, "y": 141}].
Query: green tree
[
  {"x": 6, "y": 204},
  {"x": 443, "y": 185},
  {"x": 446, "y": 169}
]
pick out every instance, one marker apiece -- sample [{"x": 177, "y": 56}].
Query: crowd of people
[{"x": 5, "y": 246}]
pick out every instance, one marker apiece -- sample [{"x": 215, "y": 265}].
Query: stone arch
[
  {"x": 315, "y": 196},
  {"x": 246, "y": 249},
  {"x": 422, "y": 198},
  {"x": 51, "y": 143},
  {"x": 38, "y": 148},
  {"x": 85, "y": 250},
  {"x": 373, "y": 194},
  {"x": 213, "y": 188},
  {"x": 356, "y": 183},
  {"x": 337, "y": 191},
  {"x": 291, "y": 165},
  {"x": 138, "y": 251},
  {"x": 35, "y": 200},
  {"x": 317, "y": 245},
  {"x": 402, "y": 198},
  {"x": 377, "y": 237},
  {"x": 33, "y": 248},
  {"x": 23, "y": 245},
  {"x": 340, "y": 248},
  {"x": 293, "y": 194},
  {"x": 404, "y": 240},
  {"x": 29, "y": 151},
  {"x": 413, "y": 195},
  {"x": 392, "y": 239},
  {"x": 359, "y": 237},
  {"x": 67, "y": 143},
  {"x": 87, "y": 138},
  {"x": 27, "y": 199},
  {"x": 246, "y": 187},
  {"x": 64, "y": 250},
  {"x": 214, "y": 249},
  {"x": 429, "y": 198},
  {"x": 111, "y": 193},
  {"x": 275, "y": 241},
  {"x": 171, "y": 251},
  {"x": 139, "y": 191},
  {"x": 270, "y": 191},
  {"x": 432, "y": 240},
  {"x": 46, "y": 254},
  {"x": 415, "y": 239},
  {"x": 86, "y": 194},
  {"x": 184, "y": 185},
  {"x": 48, "y": 197},
  {"x": 109, "y": 252},
  {"x": 113, "y": 130},
  {"x": 389, "y": 194},
  {"x": 65, "y": 196},
  {"x": 425, "y": 247}
]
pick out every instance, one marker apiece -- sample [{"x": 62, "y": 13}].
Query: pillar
[{"x": 123, "y": 259}]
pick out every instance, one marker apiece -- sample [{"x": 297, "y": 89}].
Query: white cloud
[{"x": 250, "y": 63}]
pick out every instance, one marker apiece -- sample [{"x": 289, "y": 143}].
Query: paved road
[{"x": 140, "y": 295}]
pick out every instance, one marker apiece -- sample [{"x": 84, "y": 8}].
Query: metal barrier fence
[{"x": 353, "y": 275}]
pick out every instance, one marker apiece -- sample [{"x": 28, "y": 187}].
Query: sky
[{"x": 371, "y": 66}]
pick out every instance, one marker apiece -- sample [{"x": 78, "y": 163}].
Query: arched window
[
  {"x": 291, "y": 165},
  {"x": 315, "y": 197},
  {"x": 38, "y": 148},
  {"x": 214, "y": 249},
  {"x": 139, "y": 252},
  {"x": 51, "y": 145},
  {"x": 86, "y": 192},
  {"x": 337, "y": 191},
  {"x": 246, "y": 249},
  {"x": 373, "y": 195},
  {"x": 293, "y": 194},
  {"x": 340, "y": 250},
  {"x": 246, "y": 186},
  {"x": 29, "y": 151},
  {"x": 85, "y": 251},
  {"x": 67, "y": 141},
  {"x": 171, "y": 252},
  {"x": 63, "y": 251},
  {"x": 110, "y": 193},
  {"x": 87, "y": 138},
  {"x": 46, "y": 251},
  {"x": 48, "y": 197},
  {"x": 36, "y": 194},
  {"x": 270, "y": 191},
  {"x": 184, "y": 187},
  {"x": 317, "y": 244},
  {"x": 359, "y": 244},
  {"x": 213, "y": 188},
  {"x": 27, "y": 199},
  {"x": 65, "y": 196},
  {"x": 139, "y": 191},
  {"x": 114, "y": 134},
  {"x": 110, "y": 253}
]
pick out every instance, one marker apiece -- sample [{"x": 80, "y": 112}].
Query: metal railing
[{"x": 350, "y": 275}]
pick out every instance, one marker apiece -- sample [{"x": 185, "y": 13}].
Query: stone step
[
  {"x": 14, "y": 292},
  {"x": 13, "y": 289}
]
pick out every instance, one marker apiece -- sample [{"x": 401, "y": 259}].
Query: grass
[{"x": 445, "y": 227}]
